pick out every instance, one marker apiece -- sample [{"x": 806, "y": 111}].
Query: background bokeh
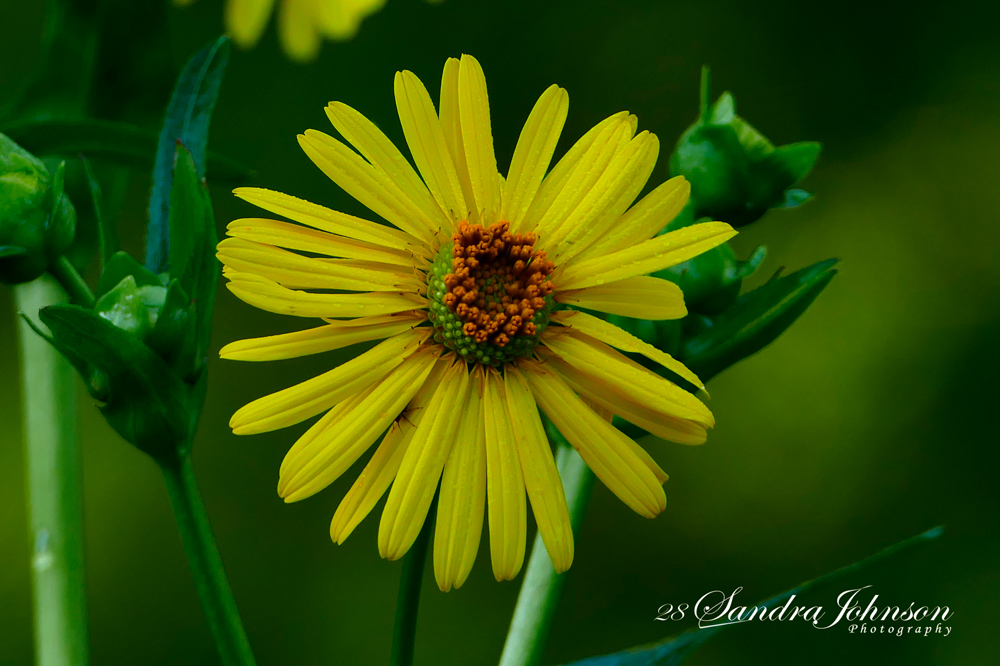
[{"x": 872, "y": 419}]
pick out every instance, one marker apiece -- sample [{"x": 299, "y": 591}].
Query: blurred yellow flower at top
[{"x": 302, "y": 24}]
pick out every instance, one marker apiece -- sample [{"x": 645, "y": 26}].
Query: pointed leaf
[
  {"x": 795, "y": 198},
  {"x": 794, "y": 160},
  {"x": 755, "y": 320},
  {"x": 187, "y": 120},
  {"x": 192, "y": 245}
]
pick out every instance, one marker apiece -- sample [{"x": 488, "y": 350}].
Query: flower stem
[
  {"x": 206, "y": 565},
  {"x": 539, "y": 596},
  {"x": 72, "y": 282},
  {"x": 408, "y": 602},
  {"x": 53, "y": 486}
]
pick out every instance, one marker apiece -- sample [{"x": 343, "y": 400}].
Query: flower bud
[
  {"x": 37, "y": 220},
  {"x": 736, "y": 174}
]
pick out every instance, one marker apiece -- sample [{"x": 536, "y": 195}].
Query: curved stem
[
  {"x": 206, "y": 565},
  {"x": 404, "y": 632},
  {"x": 52, "y": 460},
  {"x": 542, "y": 586},
  {"x": 72, "y": 282}
]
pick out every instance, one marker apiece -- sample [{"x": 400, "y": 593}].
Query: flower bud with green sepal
[
  {"x": 37, "y": 219},
  {"x": 736, "y": 174},
  {"x": 143, "y": 348}
]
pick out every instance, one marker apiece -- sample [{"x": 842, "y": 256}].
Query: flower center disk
[{"x": 490, "y": 293}]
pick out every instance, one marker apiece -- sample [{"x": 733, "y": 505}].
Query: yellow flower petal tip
[{"x": 453, "y": 282}]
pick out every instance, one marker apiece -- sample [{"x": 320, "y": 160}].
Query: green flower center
[{"x": 490, "y": 293}]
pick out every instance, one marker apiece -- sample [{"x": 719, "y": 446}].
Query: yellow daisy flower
[
  {"x": 465, "y": 289},
  {"x": 302, "y": 24}
]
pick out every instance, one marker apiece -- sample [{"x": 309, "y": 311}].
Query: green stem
[
  {"x": 408, "y": 602},
  {"x": 72, "y": 282},
  {"x": 54, "y": 500},
  {"x": 206, "y": 565},
  {"x": 539, "y": 596}
]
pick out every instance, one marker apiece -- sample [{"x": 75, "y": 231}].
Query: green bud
[
  {"x": 736, "y": 174},
  {"x": 37, "y": 220}
]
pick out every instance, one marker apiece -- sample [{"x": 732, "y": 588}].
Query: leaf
[
  {"x": 794, "y": 160},
  {"x": 107, "y": 236},
  {"x": 146, "y": 403},
  {"x": 795, "y": 198},
  {"x": 675, "y": 650},
  {"x": 110, "y": 141},
  {"x": 187, "y": 121},
  {"x": 755, "y": 320},
  {"x": 120, "y": 266},
  {"x": 192, "y": 245}
]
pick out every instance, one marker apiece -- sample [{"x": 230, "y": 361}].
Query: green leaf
[
  {"x": 794, "y": 160},
  {"x": 795, "y": 198},
  {"x": 755, "y": 320},
  {"x": 173, "y": 335},
  {"x": 674, "y": 651},
  {"x": 192, "y": 245},
  {"x": 145, "y": 402},
  {"x": 187, "y": 121},
  {"x": 121, "y": 265},
  {"x": 110, "y": 141}
]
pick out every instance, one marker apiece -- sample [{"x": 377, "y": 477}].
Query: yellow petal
[
  {"x": 335, "y": 335},
  {"x": 300, "y": 39},
  {"x": 541, "y": 478},
  {"x": 608, "y": 415},
  {"x": 366, "y": 184},
  {"x": 419, "y": 473},
  {"x": 647, "y": 257},
  {"x": 299, "y": 402},
  {"x": 378, "y": 474},
  {"x": 296, "y": 271},
  {"x": 575, "y": 174},
  {"x": 268, "y": 295},
  {"x": 603, "y": 447},
  {"x": 477, "y": 141},
  {"x": 322, "y": 458},
  {"x": 624, "y": 375},
  {"x": 504, "y": 484},
  {"x": 451, "y": 125},
  {"x": 619, "y": 404},
  {"x": 325, "y": 219},
  {"x": 645, "y": 219},
  {"x": 384, "y": 156},
  {"x": 296, "y": 237},
  {"x": 610, "y": 334},
  {"x": 614, "y": 191},
  {"x": 462, "y": 498},
  {"x": 588, "y": 217},
  {"x": 643, "y": 297},
  {"x": 246, "y": 20},
  {"x": 425, "y": 137},
  {"x": 533, "y": 154}
]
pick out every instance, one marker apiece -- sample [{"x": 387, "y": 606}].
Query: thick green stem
[
  {"x": 206, "y": 565},
  {"x": 72, "y": 282},
  {"x": 539, "y": 596},
  {"x": 408, "y": 602},
  {"x": 54, "y": 500}
]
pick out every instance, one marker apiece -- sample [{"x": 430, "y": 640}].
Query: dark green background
[{"x": 873, "y": 419}]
